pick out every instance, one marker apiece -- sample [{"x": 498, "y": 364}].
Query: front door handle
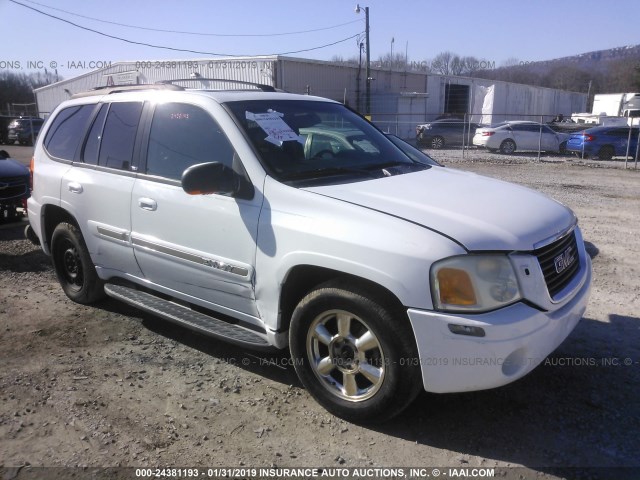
[
  {"x": 147, "y": 204},
  {"x": 74, "y": 187}
]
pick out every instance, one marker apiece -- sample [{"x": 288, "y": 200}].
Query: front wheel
[
  {"x": 355, "y": 355},
  {"x": 73, "y": 265},
  {"x": 437, "y": 142}
]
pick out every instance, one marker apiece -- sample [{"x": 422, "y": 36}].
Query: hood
[
  {"x": 12, "y": 168},
  {"x": 480, "y": 213}
]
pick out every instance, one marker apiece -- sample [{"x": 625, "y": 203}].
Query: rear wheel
[
  {"x": 562, "y": 148},
  {"x": 437, "y": 142},
  {"x": 355, "y": 355},
  {"x": 508, "y": 146},
  {"x": 606, "y": 153},
  {"x": 73, "y": 265}
]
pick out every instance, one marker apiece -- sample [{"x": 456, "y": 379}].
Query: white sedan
[{"x": 520, "y": 135}]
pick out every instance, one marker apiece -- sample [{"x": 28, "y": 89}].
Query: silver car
[{"x": 520, "y": 135}]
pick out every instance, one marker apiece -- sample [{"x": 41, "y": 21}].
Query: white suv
[{"x": 270, "y": 219}]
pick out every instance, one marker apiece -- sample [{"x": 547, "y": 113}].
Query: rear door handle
[
  {"x": 74, "y": 187},
  {"x": 147, "y": 204}
]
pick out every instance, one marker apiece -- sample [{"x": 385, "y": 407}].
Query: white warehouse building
[{"x": 399, "y": 99}]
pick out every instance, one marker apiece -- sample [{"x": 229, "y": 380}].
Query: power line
[
  {"x": 194, "y": 33},
  {"x": 177, "y": 49}
]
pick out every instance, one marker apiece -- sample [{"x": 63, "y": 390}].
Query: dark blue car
[
  {"x": 603, "y": 143},
  {"x": 14, "y": 187}
]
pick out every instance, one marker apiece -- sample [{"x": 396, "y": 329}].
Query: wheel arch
[
  {"x": 606, "y": 148},
  {"x": 52, "y": 216},
  {"x": 301, "y": 279}
]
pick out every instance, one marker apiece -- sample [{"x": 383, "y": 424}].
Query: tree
[
  {"x": 18, "y": 87},
  {"x": 442, "y": 63},
  {"x": 567, "y": 77},
  {"x": 624, "y": 76},
  {"x": 511, "y": 62},
  {"x": 397, "y": 62}
]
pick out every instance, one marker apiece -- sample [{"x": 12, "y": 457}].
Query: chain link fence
[{"x": 533, "y": 136}]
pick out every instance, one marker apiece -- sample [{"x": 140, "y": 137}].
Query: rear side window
[
  {"x": 183, "y": 135},
  {"x": 92, "y": 147},
  {"x": 525, "y": 127},
  {"x": 119, "y": 135},
  {"x": 621, "y": 132},
  {"x": 67, "y": 130}
]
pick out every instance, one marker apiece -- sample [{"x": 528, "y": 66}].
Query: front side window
[
  {"x": 300, "y": 140},
  {"x": 66, "y": 131},
  {"x": 119, "y": 135},
  {"x": 183, "y": 135}
]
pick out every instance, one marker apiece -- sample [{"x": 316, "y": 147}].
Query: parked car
[
  {"x": 380, "y": 274},
  {"x": 603, "y": 142},
  {"x": 24, "y": 130},
  {"x": 4, "y": 128},
  {"x": 446, "y": 132},
  {"x": 520, "y": 135},
  {"x": 414, "y": 153},
  {"x": 14, "y": 187}
]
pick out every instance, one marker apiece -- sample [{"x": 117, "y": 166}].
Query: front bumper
[{"x": 518, "y": 338}]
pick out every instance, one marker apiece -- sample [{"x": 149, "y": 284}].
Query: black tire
[
  {"x": 74, "y": 268},
  {"x": 562, "y": 148},
  {"x": 508, "y": 146},
  {"x": 606, "y": 153},
  {"x": 383, "y": 376},
  {"x": 437, "y": 142},
  {"x": 30, "y": 235}
]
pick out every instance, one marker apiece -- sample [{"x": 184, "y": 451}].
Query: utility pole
[
  {"x": 368, "y": 93},
  {"x": 368, "y": 84}
]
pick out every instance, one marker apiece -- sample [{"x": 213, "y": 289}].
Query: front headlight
[{"x": 474, "y": 283}]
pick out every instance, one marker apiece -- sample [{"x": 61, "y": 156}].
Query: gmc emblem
[{"x": 564, "y": 260}]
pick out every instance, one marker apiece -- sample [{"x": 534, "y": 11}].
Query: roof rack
[
  {"x": 109, "y": 89},
  {"x": 259, "y": 86}
]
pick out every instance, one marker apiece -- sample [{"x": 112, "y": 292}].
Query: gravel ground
[{"x": 111, "y": 386}]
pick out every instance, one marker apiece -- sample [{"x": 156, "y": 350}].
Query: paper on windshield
[{"x": 274, "y": 126}]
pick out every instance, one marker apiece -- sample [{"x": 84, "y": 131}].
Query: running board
[{"x": 185, "y": 316}]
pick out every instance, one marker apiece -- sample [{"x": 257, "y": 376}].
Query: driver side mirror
[{"x": 208, "y": 178}]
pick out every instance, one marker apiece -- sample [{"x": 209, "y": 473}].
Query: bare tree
[
  {"x": 18, "y": 87},
  {"x": 397, "y": 62},
  {"x": 442, "y": 63},
  {"x": 511, "y": 62}
]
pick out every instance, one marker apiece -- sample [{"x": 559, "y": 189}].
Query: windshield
[
  {"x": 411, "y": 151},
  {"x": 318, "y": 141}
]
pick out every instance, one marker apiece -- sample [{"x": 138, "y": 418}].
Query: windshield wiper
[
  {"x": 382, "y": 166},
  {"x": 329, "y": 171}
]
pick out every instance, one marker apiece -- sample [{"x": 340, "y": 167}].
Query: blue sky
[{"x": 494, "y": 30}]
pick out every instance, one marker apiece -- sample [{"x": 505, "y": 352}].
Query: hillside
[{"x": 602, "y": 71}]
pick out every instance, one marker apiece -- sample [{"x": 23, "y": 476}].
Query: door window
[
  {"x": 119, "y": 135},
  {"x": 183, "y": 135}
]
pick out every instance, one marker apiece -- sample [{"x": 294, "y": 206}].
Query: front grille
[
  {"x": 559, "y": 262},
  {"x": 12, "y": 188}
]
